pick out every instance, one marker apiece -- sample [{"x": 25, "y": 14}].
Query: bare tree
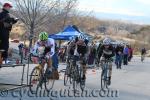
[
  {"x": 63, "y": 13},
  {"x": 34, "y": 13}
]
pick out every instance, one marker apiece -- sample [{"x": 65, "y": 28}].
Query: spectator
[
  {"x": 130, "y": 54},
  {"x": 125, "y": 55},
  {"x": 6, "y": 23},
  {"x": 119, "y": 56}
]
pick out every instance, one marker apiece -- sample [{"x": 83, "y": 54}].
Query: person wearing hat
[{"x": 6, "y": 23}]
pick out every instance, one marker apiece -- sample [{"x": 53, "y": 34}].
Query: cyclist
[
  {"x": 49, "y": 51},
  {"x": 78, "y": 48},
  {"x": 106, "y": 51}
]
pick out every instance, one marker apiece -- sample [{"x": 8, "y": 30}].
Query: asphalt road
[{"x": 132, "y": 82}]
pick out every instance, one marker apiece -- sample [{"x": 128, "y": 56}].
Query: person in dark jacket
[
  {"x": 125, "y": 55},
  {"x": 119, "y": 56},
  {"x": 6, "y": 23},
  {"x": 130, "y": 53}
]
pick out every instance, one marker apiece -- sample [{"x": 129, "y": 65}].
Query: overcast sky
[{"x": 134, "y": 8}]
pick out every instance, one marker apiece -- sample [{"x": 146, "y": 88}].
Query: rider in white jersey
[{"x": 47, "y": 47}]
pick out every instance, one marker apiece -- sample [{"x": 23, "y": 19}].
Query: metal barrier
[{"x": 22, "y": 77}]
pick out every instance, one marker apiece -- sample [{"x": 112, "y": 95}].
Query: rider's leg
[
  {"x": 55, "y": 66},
  {"x": 49, "y": 64},
  {"x": 49, "y": 68}
]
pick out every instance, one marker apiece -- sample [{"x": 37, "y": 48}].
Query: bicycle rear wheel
[
  {"x": 49, "y": 83},
  {"x": 34, "y": 79}
]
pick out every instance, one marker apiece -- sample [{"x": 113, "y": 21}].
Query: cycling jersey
[
  {"x": 106, "y": 52},
  {"x": 76, "y": 48},
  {"x": 49, "y": 43}
]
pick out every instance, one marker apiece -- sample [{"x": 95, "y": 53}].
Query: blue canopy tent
[{"x": 67, "y": 34}]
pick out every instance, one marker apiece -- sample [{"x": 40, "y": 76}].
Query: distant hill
[
  {"x": 145, "y": 29},
  {"x": 133, "y": 19}
]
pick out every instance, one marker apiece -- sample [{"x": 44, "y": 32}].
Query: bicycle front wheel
[
  {"x": 103, "y": 80},
  {"x": 34, "y": 79}
]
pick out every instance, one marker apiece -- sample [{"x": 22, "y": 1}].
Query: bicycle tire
[
  {"x": 49, "y": 83},
  {"x": 104, "y": 77},
  {"x": 34, "y": 79},
  {"x": 103, "y": 83}
]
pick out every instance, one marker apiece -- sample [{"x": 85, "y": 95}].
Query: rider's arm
[
  {"x": 113, "y": 51},
  {"x": 100, "y": 52},
  {"x": 35, "y": 48},
  {"x": 52, "y": 45}
]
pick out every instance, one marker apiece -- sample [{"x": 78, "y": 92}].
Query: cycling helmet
[
  {"x": 106, "y": 41},
  {"x": 81, "y": 37},
  {"x": 86, "y": 40},
  {"x": 43, "y": 36}
]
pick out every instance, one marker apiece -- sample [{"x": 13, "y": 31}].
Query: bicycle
[
  {"x": 77, "y": 74},
  {"x": 105, "y": 73},
  {"x": 38, "y": 77}
]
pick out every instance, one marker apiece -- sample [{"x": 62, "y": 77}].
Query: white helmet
[
  {"x": 106, "y": 41},
  {"x": 81, "y": 37}
]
